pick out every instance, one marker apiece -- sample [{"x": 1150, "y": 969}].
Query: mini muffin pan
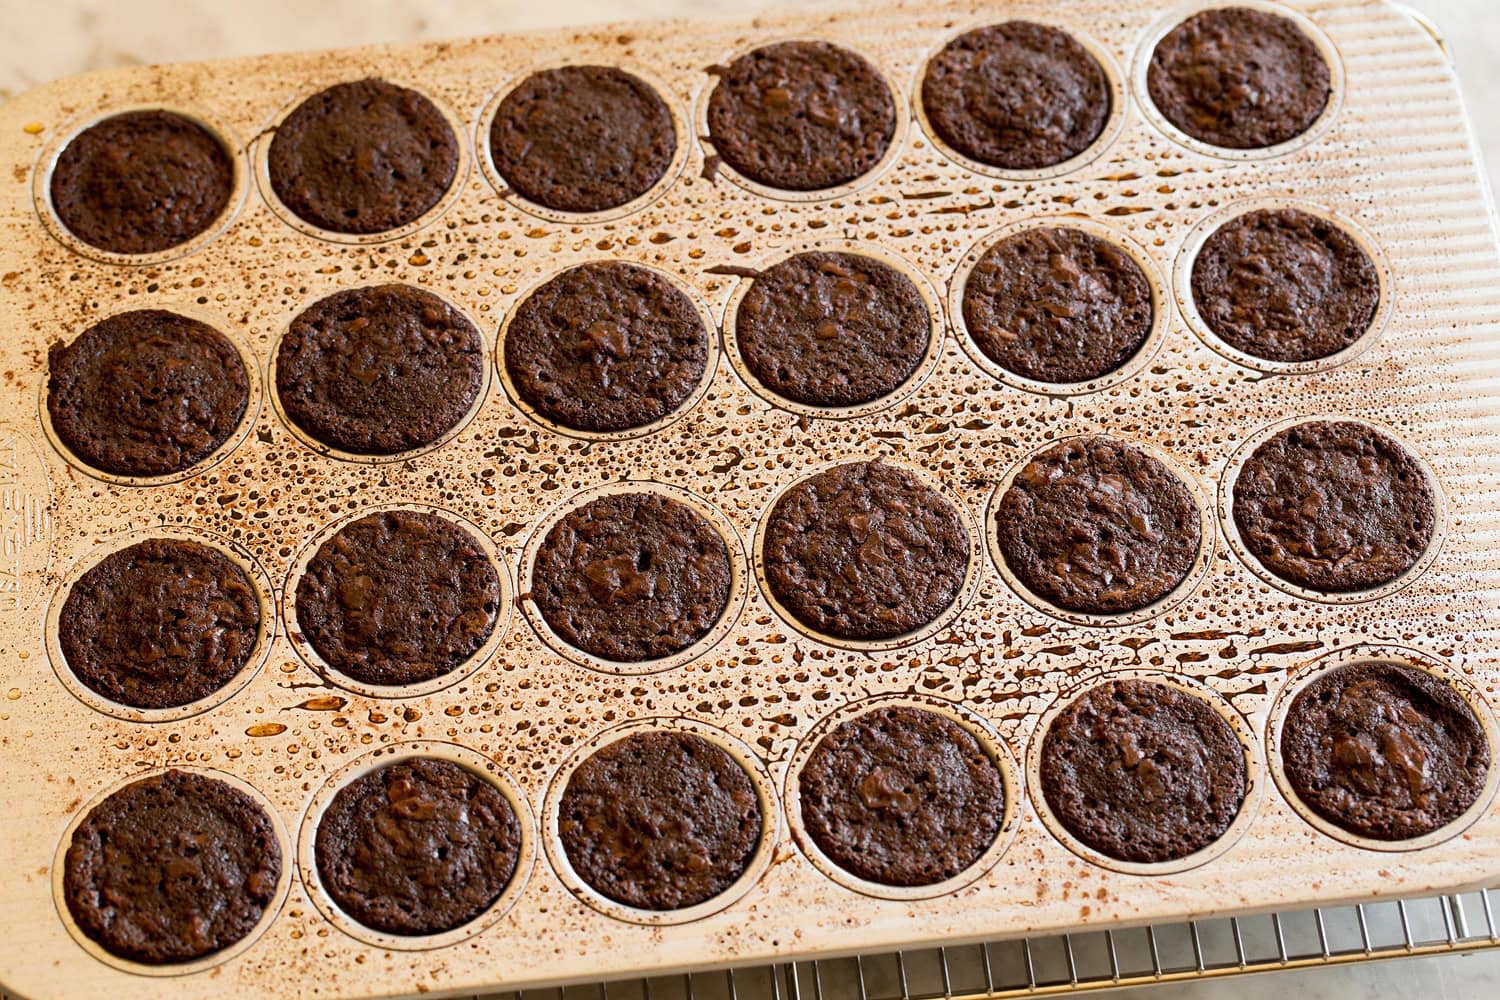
[{"x": 1392, "y": 158}]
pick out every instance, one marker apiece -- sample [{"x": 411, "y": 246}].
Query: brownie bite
[
  {"x": 363, "y": 157},
  {"x": 832, "y": 329},
  {"x": 141, "y": 182},
  {"x": 864, "y": 551},
  {"x": 1058, "y": 305},
  {"x": 1018, "y": 95},
  {"x": 632, "y": 577},
  {"x": 606, "y": 346},
  {"x": 1094, "y": 525},
  {"x": 902, "y": 797},
  {"x": 1334, "y": 505},
  {"x": 399, "y": 597},
  {"x": 421, "y": 846},
  {"x": 1285, "y": 285},
  {"x": 660, "y": 820},
  {"x": 146, "y": 393},
  {"x": 1384, "y": 750},
  {"x": 801, "y": 115},
  {"x": 171, "y": 868},
  {"x": 379, "y": 370},
  {"x": 582, "y": 138},
  {"x": 1239, "y": 78},
  {"x": 160, "y": 624},
  {"x": 1143, "y": 772}
]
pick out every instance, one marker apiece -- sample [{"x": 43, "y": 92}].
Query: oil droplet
[
  {"x": 454, "y": 711},
  {"x": 411, "y": 715},
  {"x": 266, "y": 729},
  {"x": 13, "y": 694},
  {"x": 323, "y": 703},
  {"x": 32, "y": 128}
]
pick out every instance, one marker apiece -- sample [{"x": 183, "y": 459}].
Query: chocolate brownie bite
[
  {"x": 399, "y": 597},
  {"x": 1285, "y": 285},
  {"x": 1384, "y": 750},
  {"x": 146, "y": 393},
  {"x": 660, "y": 820},
  {"x": 801, "y": 115},
  {"x": 582, "y": 138},
  {"x": 1239, "y": 78},
  {"x": 1058, "y": 305},
  {"x": 171, "y": 868},
  {"x": 421, "y": 846},
  {"x": 632, "y": 577},
  {"x": 160, "y": 624},
  {"x": 606, "y": 347},
  {"x": 363, "y": 157},
  {"x": 865, "y": 551},
  {"x": 1096, "y": 526},
  {"x": 141, "y": 182},
  {"x": 1335, "y": 506},
  {"x": 902, "y": 797},
  {"x": 1143, "y": 772},
  {"x": 1017, "y": 95},
  {"x": 832, "y": 329},
  {"x": 379, "y": 370}
]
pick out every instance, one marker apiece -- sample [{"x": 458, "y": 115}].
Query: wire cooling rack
[{"x": 1073, "y": 963}]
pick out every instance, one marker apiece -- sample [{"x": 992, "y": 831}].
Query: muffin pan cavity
[{"x": 1392, "y": 741}]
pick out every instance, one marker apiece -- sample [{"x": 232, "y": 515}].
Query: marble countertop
[{"x": 43, "y": 41}]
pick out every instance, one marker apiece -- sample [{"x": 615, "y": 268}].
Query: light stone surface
[{"x": 41, "y": 42}]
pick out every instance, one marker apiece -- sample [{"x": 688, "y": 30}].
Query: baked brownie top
[
  {"x": 864, "y": 551},
  {"x": 146, "y": 393},
  {"x": 632, "y": 577},
  {"x": 1285, "y": 285},
  {"x": 363, "y": 157},
  {"x": 420, "y": 846},
  {"x": 1239, "y": 78},
  {"x": 660, "y": 820},
  {"x": 162, "y": 623},
  {"x": 1016, "y": 95},
  {"x": 832, "y": 329},
  {"x": 171, "y": 868},
  {"x": 1097, "y": 526},
  {"x": 902, "y": 797},
  {"x": 1334, "y": 505},
  {"x": 141, "y": 182},
  {"x": 606, "y": 346},
  {"x": 1384, "y": 750},
  {"x": 1143, "y": 772},
  {"x": 1057, "y": 305},
  {"x": 801, "y": 115},
  {"x": 582, "y": 138},
  {"x": 398, "y": 597},
  {"x": 379, "y": 370}
]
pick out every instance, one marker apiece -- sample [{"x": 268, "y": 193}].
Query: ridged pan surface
[{"x": 1396, "y": 159}]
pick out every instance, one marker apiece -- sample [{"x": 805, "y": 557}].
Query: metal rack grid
[{"x": 1072, "y": 963}]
